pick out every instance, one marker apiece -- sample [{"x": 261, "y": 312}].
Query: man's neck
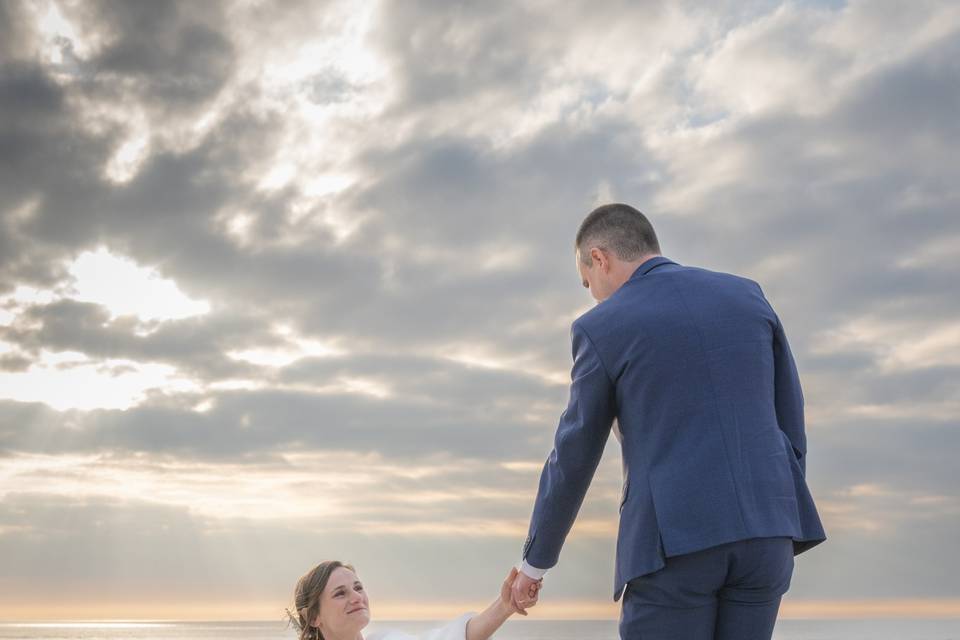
[
  {"x": 626, "y": 269},
  {"x": 639, "y": 261}
]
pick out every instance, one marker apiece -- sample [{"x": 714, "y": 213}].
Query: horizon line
[{"x": 557, "y": 610}]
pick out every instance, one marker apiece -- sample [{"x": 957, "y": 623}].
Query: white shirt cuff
[{"x": 531, "y": 571}]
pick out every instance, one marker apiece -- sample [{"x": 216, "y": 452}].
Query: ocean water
[{"x": 885, "y": 629}]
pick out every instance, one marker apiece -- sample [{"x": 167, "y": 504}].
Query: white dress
[{"x": 455, "y": 630}]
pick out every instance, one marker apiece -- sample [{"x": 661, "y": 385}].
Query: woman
[{"x": 331, "y": 604}]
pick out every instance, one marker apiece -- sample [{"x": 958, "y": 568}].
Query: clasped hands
[{"x": 520, "y": 591}]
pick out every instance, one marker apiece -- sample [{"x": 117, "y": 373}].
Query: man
[{"x": 695, "y": 368}]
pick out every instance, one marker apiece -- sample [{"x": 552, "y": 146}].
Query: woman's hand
[
  {"x": 482, "y": 625},
  {"x": 505, "y": 589}
]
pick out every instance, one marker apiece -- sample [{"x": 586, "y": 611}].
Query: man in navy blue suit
[{"x": 694, "y": 370}]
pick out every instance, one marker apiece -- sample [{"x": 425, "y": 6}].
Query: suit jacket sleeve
[
  {"x": 578, "y": 445},
  {"x": 788, "y": 395}
]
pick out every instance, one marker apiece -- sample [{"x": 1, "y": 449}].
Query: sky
[{"x": 287, "y": 282}]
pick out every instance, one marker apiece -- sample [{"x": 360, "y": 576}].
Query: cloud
[
  {"x": 171, "y": 58},
  {"x": 378, "y": 204},
  {"x": 257, "y": 422},
  {"x": 68, "y": 325}
]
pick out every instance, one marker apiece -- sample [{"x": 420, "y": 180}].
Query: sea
[{"x": 867, "y": 629}]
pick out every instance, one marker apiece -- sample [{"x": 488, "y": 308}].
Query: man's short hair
[{"x": 618, "y": 228}]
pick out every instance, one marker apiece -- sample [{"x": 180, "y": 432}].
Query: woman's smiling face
[{"x": 344, "y": 607}]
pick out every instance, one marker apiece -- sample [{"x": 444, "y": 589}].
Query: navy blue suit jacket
[{"x": 695, "y": 367}]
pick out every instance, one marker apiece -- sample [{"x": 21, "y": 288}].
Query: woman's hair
[{"x": 306, "y": 598}]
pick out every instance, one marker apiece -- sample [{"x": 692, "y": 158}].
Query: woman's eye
[{"x": 359, "y": 587}]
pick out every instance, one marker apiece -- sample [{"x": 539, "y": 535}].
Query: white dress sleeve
[{"x": 454, "y": 630}]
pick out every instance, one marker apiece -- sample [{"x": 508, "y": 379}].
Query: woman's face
[{"x": 344, "y": 608}]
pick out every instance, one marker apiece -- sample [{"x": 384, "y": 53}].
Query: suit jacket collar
[{"x": 650, "y": 265}]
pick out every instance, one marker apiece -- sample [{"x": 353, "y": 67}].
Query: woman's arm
[{"x": 482, "y": 625}]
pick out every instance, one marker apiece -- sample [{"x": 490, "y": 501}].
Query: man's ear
[{"x": 601, "y": 258}]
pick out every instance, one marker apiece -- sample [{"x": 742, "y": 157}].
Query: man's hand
[{"x": 525, "y": 592}]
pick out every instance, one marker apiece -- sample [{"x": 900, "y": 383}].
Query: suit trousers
[{"x": 728, "y": 592}]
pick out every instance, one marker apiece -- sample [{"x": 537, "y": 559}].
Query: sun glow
[
  {"x": 125, "y": 288},
  {"x": 293, "y": 349},
  {"x": 474, "y": 356},
  {"x": 71, "y": 380},
  {"x": 129, "y": 156}
]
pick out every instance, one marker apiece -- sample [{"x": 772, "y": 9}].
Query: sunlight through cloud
[
  {"x": 125, "y": 288},
  {"x": 128, "y": 158},
  {"x": 71, "y": 380}
]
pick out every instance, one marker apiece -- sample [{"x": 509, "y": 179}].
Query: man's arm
[
  {"x": 531, "y": 571},
  {"x": 578, "y": 445},
  {"x": 788, "y": 397}
]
